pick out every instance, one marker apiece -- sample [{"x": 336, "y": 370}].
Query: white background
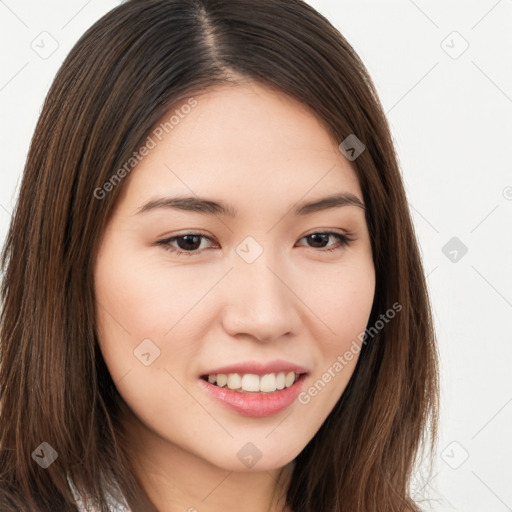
[{"x": 451, "y": 118}]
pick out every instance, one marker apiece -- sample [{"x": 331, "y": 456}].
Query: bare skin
[{"x": 260, "y": 152}]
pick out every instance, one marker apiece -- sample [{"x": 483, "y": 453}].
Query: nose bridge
[{"x": 259, "y": 302}]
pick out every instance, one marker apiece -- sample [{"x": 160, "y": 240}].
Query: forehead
[{"x": 243, "y": 142}]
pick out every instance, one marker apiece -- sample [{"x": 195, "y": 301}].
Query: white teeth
[
  {"x": 234, "y": 381},
  {"x": 268, "y": 383},
  {"x": 290, "y": 379},
  {"x": 250, "y": 382}
]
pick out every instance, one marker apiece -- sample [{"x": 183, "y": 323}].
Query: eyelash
[{"x": 344, "y": 241}]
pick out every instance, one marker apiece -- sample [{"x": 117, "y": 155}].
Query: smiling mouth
[{"x": 252, "y": 383}]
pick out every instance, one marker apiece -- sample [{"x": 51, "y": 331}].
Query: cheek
[
  {"x": 143, "y": 298},
  {"x": 140, "y": 299},
  {"x": 343, "y": 302},
  {"x": 344, "y": 308}
]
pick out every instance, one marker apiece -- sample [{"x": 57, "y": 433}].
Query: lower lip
[{"x": 255, "y": 404}]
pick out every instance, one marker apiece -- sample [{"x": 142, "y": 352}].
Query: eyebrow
[{"x": 212, "y": 207}]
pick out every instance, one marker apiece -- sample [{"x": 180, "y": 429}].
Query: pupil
[
  {"x": 185, "y": 240},
  {"x": 316, "y": 235}
]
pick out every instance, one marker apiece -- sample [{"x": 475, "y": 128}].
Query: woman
[{"x": 213, "y": 297}]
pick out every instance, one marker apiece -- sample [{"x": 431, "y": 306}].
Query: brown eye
[
  {"x": 187, "y": 244},
  {"x": 319, "y": 239}
]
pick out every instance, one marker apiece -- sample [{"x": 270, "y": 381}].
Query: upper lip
[{"x": 258, "y": 368}]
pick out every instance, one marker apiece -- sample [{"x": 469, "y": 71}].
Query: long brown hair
[{"x": 121, "y": 77}]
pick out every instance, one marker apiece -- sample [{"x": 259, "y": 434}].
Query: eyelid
[
  {"x": 165, "y": 243},
  {"x": 344, "y": 239},
  {"x": 327, "y": 231}
]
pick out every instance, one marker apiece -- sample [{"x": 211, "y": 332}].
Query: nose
[{"x": 260, "y": 301}]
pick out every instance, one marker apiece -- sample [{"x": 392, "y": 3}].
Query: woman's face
[{"x": 256, "y": 292}]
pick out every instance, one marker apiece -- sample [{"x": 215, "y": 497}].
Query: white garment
[{"x": 115, "y": 505}]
